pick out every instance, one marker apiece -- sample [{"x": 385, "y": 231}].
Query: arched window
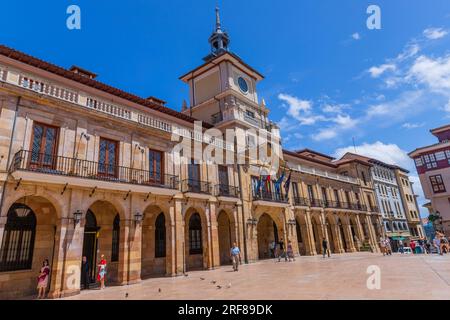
[
  {"x": 195, "y": 234},
  {"x": 18, "y": 239},
  {"x": 115, "y": 239},
  {"x": 160, "y": 236}
]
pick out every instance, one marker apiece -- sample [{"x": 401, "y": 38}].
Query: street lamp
[
  {"x": 77, "y": 217},
  {"x": 138, "y": 217}
]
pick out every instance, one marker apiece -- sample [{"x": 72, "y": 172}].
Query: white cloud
[
  {"x": 434, "y": 33},
  {"x": 388, "y": 153},
  {"x": 345, "y": 121},
  {"x": 434, "y": 73},
  {"x": 447, "y": 107},
  {"x": 334, "y": 108},
  {"x": 325, "y": 134},
  {"x": 375, "y": 72},
  {"x": 356, "y": 36},
  {"x": 295, "y": 105},
  {"x": 404, "y": 105},
  {"x": 408, "y": 125}
]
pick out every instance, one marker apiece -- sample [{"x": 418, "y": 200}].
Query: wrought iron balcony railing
[
  {"x": 269, "y": 196},
  {"x": 64, "y": 166},
  {"x": 224, "y": 190},
  {"x": 299, "y": 201},
  {"x": 317, "y": 203},
  {"x": 196, "y": 186}
]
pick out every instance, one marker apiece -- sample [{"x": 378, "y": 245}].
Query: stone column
[
  {"x": 372, "y": 239},
  {"x": 135, "y": 250},
  {"x": 124, "y": 251},
  {"x": 337, "y": 239},
  {"x": 310, "y": 242},
  {"x": 348, "y": 237},
  {"x": 213, "y": 238},
  {"x": 66, "y": 262}
]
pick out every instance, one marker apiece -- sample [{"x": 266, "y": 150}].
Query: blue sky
[{"x": 329, "y": 79}]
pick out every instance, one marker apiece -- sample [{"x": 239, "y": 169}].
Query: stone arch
[
  {"x": 154, "y": 261},
  {"x": 343, "y": 236},
  {"x": 101, "y": 242},
  {"x": 301, "y": 232},
  {"x": 42, "y": 244},
  {"x": 196, "y": 257},
  {"x": 317, "y": 231},
  {"x": 118, "y": 205},
  {"x": 226, "y": 233},
  {"x": 269, "y": 229}
]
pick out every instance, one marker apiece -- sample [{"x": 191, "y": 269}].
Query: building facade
[
  {"x": 89, "y": 170},
  {"x": 433, "y": 166}
]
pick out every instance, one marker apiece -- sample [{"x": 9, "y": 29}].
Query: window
[
  {"x": 43, "y": 146},
  {"x": 295, "y": 190},
  {"x": 115, "y": 239},
  {"x": 440, "y": 155},
  {"x": 250, "y": 114},
  {"x": 156, "y": 166},
  {"x": 363, "y": 177},
  {"x": 430, "y": 161},
  {"x": 160, "y": 236},
  {"x": 324, "y": 194},
  {"x": 336, "y": 196},
  {"x": 18, "y": 239},
  {"x": 107, "y": 159},
  {"x": 437, "y": 184},
  {"x": 310, "y": 192},
  {"x": 195, "y": 234}
]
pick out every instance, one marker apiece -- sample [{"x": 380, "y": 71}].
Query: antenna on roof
[{"x": 354, "y": 145}]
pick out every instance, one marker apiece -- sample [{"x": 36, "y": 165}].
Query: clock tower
[{"x": 222, "y": 91}]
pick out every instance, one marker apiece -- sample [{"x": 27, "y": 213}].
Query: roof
[
  {"x": 353, "y": 157},
  {"x": 306, "y": 150},
  {"x": 440, "y": 129},
  {"x": 235, "y": 56},
  {"x": 301, "y": 156},
  {"x": 349, "y": 156},
  {"x": 153, "y": 103}
]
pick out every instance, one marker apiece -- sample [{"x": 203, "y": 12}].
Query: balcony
[
  {"x": 316, "y": 203},
  {"x": 303, "y": 202},
  {"x": 223, "y": 190},
  {"x": 374, "y": 209},
  {"x": 269, "y": 196},
  {"x": 77, "y": 168},
  {"x": 196, "y": 186}
]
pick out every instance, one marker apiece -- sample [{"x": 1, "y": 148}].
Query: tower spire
[
  {"x": 218, "y": 26},
  {"x": 219, "y": 39}
]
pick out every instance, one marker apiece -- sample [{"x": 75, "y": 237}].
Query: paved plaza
[{"x": 342, "y": 276}]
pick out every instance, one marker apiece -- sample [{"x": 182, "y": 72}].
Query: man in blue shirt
[{"x": 235, "y": 256}]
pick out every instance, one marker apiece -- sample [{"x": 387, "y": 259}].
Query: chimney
[{"x": 83, "y": 72}]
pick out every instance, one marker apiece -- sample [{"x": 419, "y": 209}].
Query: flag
[
  {"x": 279, "y": 181},
  {"x": 267, "y": 183},
  {"x": 258, "y": 185},
  {"x": 287, "y": 184}
]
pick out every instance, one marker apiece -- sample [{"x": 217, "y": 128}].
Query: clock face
[{"x": 243, "y": 85}]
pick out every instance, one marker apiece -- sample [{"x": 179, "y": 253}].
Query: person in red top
[
  {"x": 102, "y": 272},
  {"x": 43, "y": 279},
  {"x": 413, "y": 246}
]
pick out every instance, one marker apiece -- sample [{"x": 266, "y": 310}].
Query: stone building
[
  {"x": 88, "y": 169},
  {"x": 433, "y": 166}
]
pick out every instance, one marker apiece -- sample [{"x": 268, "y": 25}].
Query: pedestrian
[
  {"x": 412, "y": 245},
  {"x": 102, "y": 271},
  {"x": 437, "y": 244},
  {"x": 272, "y": 246},
  {"x": 400, "y": 246},
  {"x": 325, "y": 247},
  {"x": 282, "y": 251},
  {"x": 235, "y": 256},
  {"x": 43, "y": 279},
  {"x": 427, "y": 246},
  {"x": 383, "y": 246},
  {"x": 290, "y": 251},
  {"x": 85, "y": 270},
  {"x": 388, "y": 246}
]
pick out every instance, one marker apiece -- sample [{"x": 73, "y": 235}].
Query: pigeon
[
  {"x": 202, "y": 278},
  {"x": 126, "y": 295},
  {"x": 185, "y": 274},
  {"x": 229, "y": 285},
  {"x": 219, "y": 287},
  {"x": 213, "y": 282},
  {"x": 159, "y": 290}
]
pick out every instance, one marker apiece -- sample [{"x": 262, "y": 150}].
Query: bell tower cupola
[{"x": 219, "y": 40}]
